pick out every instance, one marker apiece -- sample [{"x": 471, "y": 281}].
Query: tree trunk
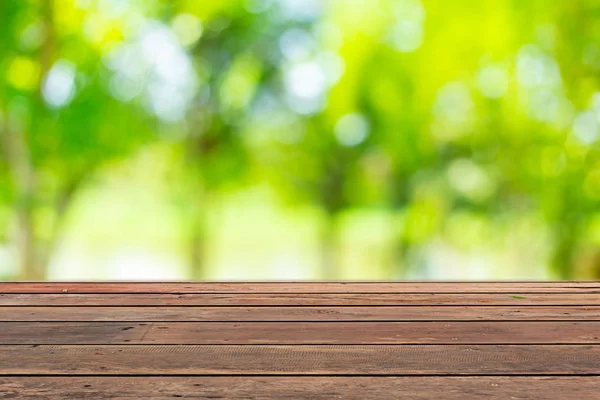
[
  {"x": 35, "y": 251},
  {"x": 24, "y": 177},
  {"x": 595, "y": 264},
  {"x": 565, "y": 241},
  {"x": 197, "y": 250},
  {"x": 196, "y": 232},
  {"x": 328, "y": 248},
  {"x": 30, "y": 267},
  {"x": 399, "y": 197},
  {"x": 33, "y": 256},
  {"x": 400, "y": 248}
]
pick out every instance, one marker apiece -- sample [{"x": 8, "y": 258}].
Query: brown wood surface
[
  {"x": 291, "y": 299},
  {"x": 300, "y": 287},
  {"x": 317, "y": 340},
  {"x": 316, "y": 388},
  {"x": 300, "y": 360},
  {"x": 361, "y": 332},
  {"x": 309, "y": 313}
]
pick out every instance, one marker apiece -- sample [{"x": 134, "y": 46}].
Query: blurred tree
[
  {"x": 59, "y": 119},
  {"x": 231, "y": 58},
  {"x": 305, "y": 140}
]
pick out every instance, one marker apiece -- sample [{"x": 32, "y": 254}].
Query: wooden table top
[{"x": 291, "y": 340}]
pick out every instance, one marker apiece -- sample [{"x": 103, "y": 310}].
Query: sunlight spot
[
  {"x": 59, "y": 86},
  {"x": 585, "y": 127},
  {"x": 469, "y": 179},
  {"x": 351, "y": 129},
  {"x": 156, "y": 67},
  {"x": 493, "y": 81},
  {"x": 410, "y": 10},
  {"x": 167, "y": 102},
  {"x": 300, "y": 10},
  {"x": 187, "y": 28},
  {"x": 408, "y": 32},
  {"x": 112, "y": 9},
  {"x": 306, "y": 80},
  {"x": 407, "y": 36},
  {"x": 160, "y": 47},
  {"x": 305, "y": 105},
  {"x": 454, "y": 102},
  {"x": 23, "y": 73},
  {"x": 535, "y": 68},
  {"x": 240, "y": 82},
  {"x": 125, "y": 88},
  {"x": 545, "y": 104},
  {"x": 296, "y": 44},
  {"x": 453, "y": 111},
  {"x": 33, "y": 36}
]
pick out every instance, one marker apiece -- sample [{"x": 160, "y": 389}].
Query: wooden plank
[
  {"x": 158, "y": 314},
  {"x": 363, "y": 332},
  {"x": 299, "y": 360},
  {"x": 300, "y": 287},
  {"x": 317, "y": 299},
  {"x": 316, "y": 388}
]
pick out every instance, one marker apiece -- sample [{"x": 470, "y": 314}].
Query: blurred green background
[{"x": 299, "y": 139}]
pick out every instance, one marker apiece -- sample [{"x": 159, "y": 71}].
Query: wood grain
[
  {"x": 316, "y": 388},
  {"x": 290, "y": 299},
  {"x": 299, "y": 360},
  {"x": 308, "y": 313},
  {"x": 299, "y": 287},
  {"x": 363, "y": 332},
  {"x": 263, "y": 340}
]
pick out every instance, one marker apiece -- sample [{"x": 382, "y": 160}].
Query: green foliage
[{"x": 458, "y": 118}]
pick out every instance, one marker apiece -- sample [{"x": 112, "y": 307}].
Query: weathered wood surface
[
  {"x": 301, "y": 299},
  {"x": 301, "y": 287},
  {"x": 300, "y": 360},
  {"x": 308, "y": 313},
  {"x": 316, "y": 388},
  {"x": 358, "y": 332},
  {"x": 264, "y": 340}
]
